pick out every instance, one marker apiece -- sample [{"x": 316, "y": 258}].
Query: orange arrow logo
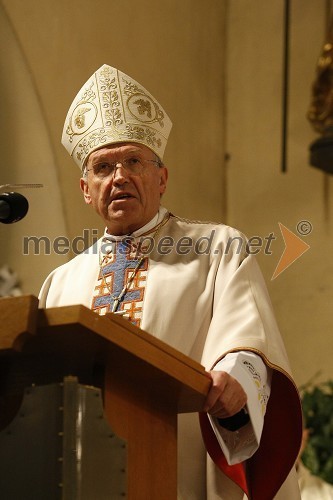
[{"x": 294, "y": 248}]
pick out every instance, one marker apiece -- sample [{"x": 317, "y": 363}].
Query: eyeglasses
[{"x": 133, "y": 166}]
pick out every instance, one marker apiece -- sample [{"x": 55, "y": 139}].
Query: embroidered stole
[{"x": 116, "y": 270}]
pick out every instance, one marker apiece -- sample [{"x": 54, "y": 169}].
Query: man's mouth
[{"x": 121, "y": 196}]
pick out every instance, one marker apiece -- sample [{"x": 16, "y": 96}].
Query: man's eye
[
  {"x": 102, "y": 168},
  {"x": 133, "y": 161}
]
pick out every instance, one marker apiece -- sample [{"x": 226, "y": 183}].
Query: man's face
[{"x": 124, "y": 200}]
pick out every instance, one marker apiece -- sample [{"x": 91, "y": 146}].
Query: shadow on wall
[{"x": 27, "y": 157}]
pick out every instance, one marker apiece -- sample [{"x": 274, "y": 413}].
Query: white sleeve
[{"x": 255, "y": 378}]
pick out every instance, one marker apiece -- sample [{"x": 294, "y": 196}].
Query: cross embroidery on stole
[{"x": 115, "y": 273}]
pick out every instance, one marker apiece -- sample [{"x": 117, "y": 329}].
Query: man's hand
[{"x": 226, "y": 396}]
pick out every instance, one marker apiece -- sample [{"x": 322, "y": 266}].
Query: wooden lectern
[{"x": 144, "y": 382}]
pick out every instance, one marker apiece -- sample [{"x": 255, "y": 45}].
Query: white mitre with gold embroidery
[{"x": 111, "y": 108}]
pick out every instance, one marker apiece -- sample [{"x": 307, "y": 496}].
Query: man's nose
[{"x": 120, "y": 174}]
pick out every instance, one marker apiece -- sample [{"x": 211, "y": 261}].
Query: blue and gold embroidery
[{"x": 121, "y": 282}]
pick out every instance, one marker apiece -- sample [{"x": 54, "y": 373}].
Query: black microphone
[{"x": 13, "y": 207}]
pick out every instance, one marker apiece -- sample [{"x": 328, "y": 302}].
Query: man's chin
[{"x": 123, "y": 221}]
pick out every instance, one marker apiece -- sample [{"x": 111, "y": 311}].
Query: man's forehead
[{"x": 115, "y": 149}]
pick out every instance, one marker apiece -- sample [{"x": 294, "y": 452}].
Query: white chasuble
[{"x": 203, "y": 295}]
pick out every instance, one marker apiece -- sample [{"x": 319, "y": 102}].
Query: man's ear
[
  {"x": 163, "y": 179},
  {"x": 85, "y": 190}
]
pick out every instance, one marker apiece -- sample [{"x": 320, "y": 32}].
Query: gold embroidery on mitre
[
  {"x": 79, "y": 119},
  {"x": 143, "y": 107},
  {"x": 79, "y": 123},
  {"x": 110, "y": 108},
  {"x": 110, "y": 99},
  {"x": 139, "y": 103}
]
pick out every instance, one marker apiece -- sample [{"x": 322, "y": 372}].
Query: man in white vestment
[{"x": 193, "y": 285}]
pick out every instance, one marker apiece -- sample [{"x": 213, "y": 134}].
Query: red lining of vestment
[{"x": 268, "y": 468}]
